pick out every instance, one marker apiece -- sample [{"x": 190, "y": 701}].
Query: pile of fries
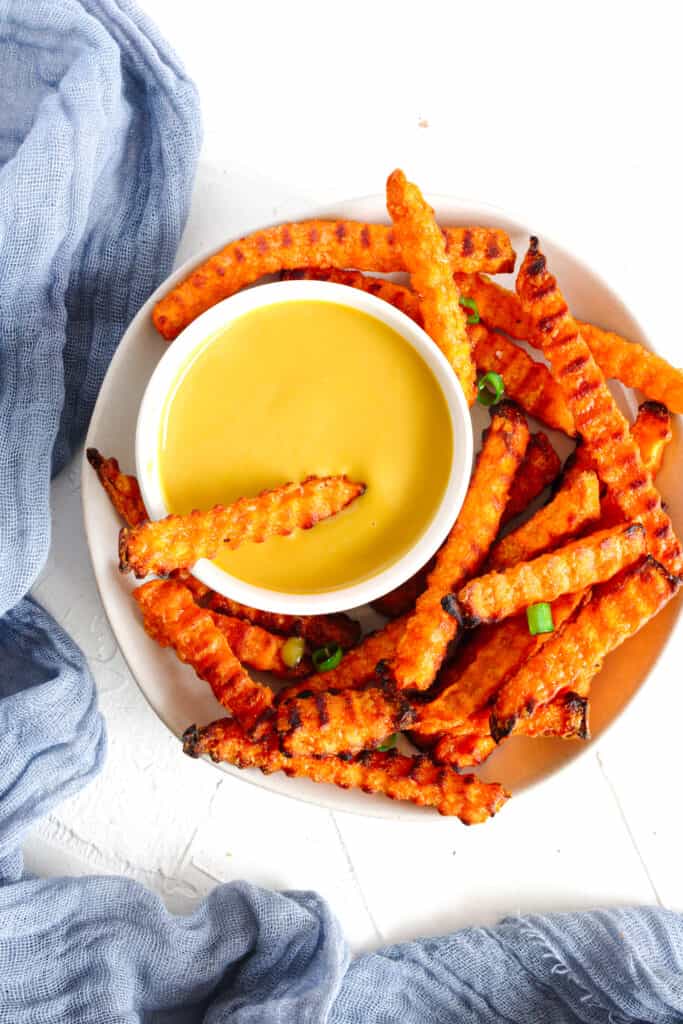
[{"x": 504, "y": 631}]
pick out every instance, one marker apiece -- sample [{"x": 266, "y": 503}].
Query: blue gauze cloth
[{"x": 99, "y": 132}]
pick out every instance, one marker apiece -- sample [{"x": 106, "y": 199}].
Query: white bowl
[
  {"x": 172, "y": 688},
  {"x": 218, "y": 317}
]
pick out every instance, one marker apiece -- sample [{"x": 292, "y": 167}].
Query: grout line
[
  {"x": 628, "y": 828},
  {"x": 354, "y": 877}
]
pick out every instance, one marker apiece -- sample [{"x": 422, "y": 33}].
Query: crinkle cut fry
[
  {"x": 123, "y": 490},
  {"x": 617, "y": 610},
  {"x": 172, "y": 618},
  {"x": 603, "y": 428},
  {"x": 317, "y": 630},
  {"x": 340, "y": 722},
  {"x": 572, "y": 508},
  {"x": 430, "y": 629},
  {"x": 321, "y": 243},
  {"x": 414, "y": 779},
  {"x": 623, "y": 360},
  {"x": 356, "y": 668},
  {"x": 498, "y": 307},
  {"x": 651, "y": 432},
  {"x": 527, "y": 382},
  {"x": 539, "y": 469},
  {"x": 395, "y": 294},
  {"x": 424, "y": 252},
  {"x": 564, "y": 717},
  {"x": 634, "y": 366},
  {"x": 258, "y": 648},
  {"x": 500, "y": 651},
  {"x": 178, "y": 541},
  {"x": 583, "y": 562}
]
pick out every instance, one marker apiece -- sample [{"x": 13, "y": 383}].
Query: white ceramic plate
[{"x": 172, "y": 689}]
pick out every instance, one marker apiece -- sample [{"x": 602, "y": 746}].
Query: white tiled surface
[{"x": 567, "y": 114}]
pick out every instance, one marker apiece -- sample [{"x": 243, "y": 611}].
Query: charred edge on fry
[
  {"x": 578, "y": 706},
  {"x": 508, "y": 410},
  {"x": 384, "y": 674},
  {"x": 263, "y": 725},
  {"x": 500, "y": 728},
  {"x": 95, "y": 459},
  {"x": 674, "y": 581},
  {"x": 124, "y": 565},
  {"x": 449, "y": 603},
  {"x": 657, "y": 409},
  {"x": 407, "y": 714},
  {"x": 191, "y": 741}
]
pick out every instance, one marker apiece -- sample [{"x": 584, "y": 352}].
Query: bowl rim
[{"x": 198, "y": 334}]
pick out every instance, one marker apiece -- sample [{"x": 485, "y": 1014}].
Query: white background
[{"x": 567, "y": 115}]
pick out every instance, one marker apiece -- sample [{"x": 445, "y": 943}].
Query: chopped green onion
[
  {"x": 491, "y": 388},
  {"x": 293, "y": 651},
  {"x": 389, "y": 743},
  {"x": 328, "y": 657},
  {"x": 540, "y": 618},
  {"x": 468, "y": 303},
  {"x": 304, "y": 694}
]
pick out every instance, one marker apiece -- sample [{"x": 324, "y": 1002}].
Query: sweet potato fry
[
  {"x": 528, "y": 383},
  {"x": 340, "y": 722},
  {"x": 258, "y": 648},
  {"x": 395, "y": 294},
  {"x": 540, "y": 467},
  {"x": 430, "y": 629},
  {"x": 617, "y": 610},
  {"x": 617, "y": 357},
  {"x": 317, "y": 630},
  {"x": 604, "y": 430},
  {"x": 123, "y": 490},
  {"x": 572, "y": 508},
  {"x": 565, "y": 717},
  {"x": 172, "y": 618},
  {"x": 177, "y": 542},
  {"x": 414, "y": 779},
  {"x": 652, "y": 433},
  {"x": 634, "y": 366},
  {"x": 582, "y": 563},
  {"x": 500, "y": 650},
  {"x": 319, "y": 243},
  {"x": 356, "y": 668},
  {"x": 424, "y": 252},
  {"x": 498, "y": 307}
]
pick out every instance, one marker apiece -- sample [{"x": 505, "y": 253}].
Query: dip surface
[{"x": 301, "y": 388}]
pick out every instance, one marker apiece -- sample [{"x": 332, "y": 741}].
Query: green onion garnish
[
  {"x": 468, "y": 303},
  {"x": 389, "y": 743},
  {"x": 491, "y": 388},
  {"x": 327, "y": 657},
  {"x": 293, "y": 651},
  {"x": 540, "y": 618},
  {"x": 304, "y": 694}
]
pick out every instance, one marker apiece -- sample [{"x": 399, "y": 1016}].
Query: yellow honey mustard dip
[{"x": 309, "y": 387}]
